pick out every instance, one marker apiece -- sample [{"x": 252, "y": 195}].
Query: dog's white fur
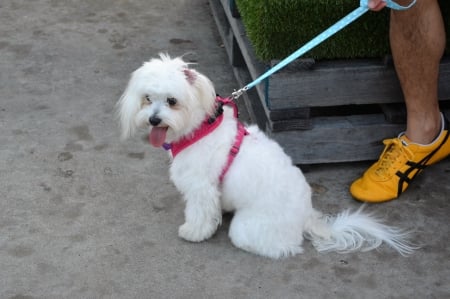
[{"x": 269, "y": 196}]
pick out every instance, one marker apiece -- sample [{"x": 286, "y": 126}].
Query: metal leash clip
[{"x": 237, "y": 93}]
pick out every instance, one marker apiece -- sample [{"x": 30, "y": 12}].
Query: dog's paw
[{"x": 196, "y": 233}]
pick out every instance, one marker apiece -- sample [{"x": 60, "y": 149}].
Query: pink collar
[{"x": 207, "y": 126}]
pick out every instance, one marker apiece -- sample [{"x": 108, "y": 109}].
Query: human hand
[{"x": 376, "y": 5}]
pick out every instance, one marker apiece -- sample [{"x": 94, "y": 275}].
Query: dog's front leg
[{"x": 202, "y": 215}]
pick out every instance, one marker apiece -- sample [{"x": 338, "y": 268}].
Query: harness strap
[{"x": 241, "y": 133}]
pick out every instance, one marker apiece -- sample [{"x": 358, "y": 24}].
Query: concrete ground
[{"x": 85, "y": 216}]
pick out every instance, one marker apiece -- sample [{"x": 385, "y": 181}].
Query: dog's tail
[{"x": 354, "y": 231}]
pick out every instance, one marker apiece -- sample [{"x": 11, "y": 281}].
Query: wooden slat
[
  {"x": 332, "y": 86},
  {"x": 338, "y": 139},
  {"x": 394, "y": 113},
  {"x": 444, "y": 79},
  {"x": 367, "y": 82}
]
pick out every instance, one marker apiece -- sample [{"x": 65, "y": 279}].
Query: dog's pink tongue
[{"x": 157, "y": 136}]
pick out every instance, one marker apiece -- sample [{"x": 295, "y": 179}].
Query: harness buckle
[{"x": 234, "y": 150}]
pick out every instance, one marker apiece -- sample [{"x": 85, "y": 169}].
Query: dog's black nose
[{"x": 154, "y": 120}]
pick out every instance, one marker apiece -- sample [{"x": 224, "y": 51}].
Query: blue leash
[{"x": 352, "y": 16}]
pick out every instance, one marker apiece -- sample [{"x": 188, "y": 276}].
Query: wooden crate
[{"x": 320, "y": 112}]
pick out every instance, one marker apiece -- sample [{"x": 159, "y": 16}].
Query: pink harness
[{"x": 209, "y": 125}]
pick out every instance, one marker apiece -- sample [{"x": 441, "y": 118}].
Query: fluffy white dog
[{"x": 219, "y": 165}]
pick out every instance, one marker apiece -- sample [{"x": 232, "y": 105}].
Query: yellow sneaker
[{"x": 398, "y": 165}]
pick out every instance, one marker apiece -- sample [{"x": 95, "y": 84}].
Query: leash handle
[
  {"x": 338, "y": 26},
  {"x": 393, "y": 5}
]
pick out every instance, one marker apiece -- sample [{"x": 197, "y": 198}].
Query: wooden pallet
[{"x": 320, "y": 112}]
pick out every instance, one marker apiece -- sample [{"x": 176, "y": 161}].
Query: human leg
[{"x": 417, "y": 40}]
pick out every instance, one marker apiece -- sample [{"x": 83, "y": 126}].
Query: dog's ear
[
  {"x": 204, "y": 89},
  {"x": 127, "y": 108},
  {"x": 190, "y": 75}
]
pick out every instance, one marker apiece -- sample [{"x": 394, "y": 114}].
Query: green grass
[{"x": 277, "y": 28}]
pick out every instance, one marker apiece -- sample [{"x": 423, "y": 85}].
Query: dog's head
[{"x": 168, "y": 96}]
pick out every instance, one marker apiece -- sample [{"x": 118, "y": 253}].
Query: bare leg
[{"x": 417, "y": 40}]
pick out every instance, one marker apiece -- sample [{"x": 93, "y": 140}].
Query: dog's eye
[
  {"x": 171, "y": 101},
  {"x": 147, "y": 97}
]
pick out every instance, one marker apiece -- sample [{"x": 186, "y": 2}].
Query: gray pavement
[{"x": 83, "y": 215}]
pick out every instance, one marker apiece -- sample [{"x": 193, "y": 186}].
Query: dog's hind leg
[{"x": 265, "y": 235}]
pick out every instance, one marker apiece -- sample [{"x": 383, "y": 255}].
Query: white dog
[{"x": 220, "y": 165}]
